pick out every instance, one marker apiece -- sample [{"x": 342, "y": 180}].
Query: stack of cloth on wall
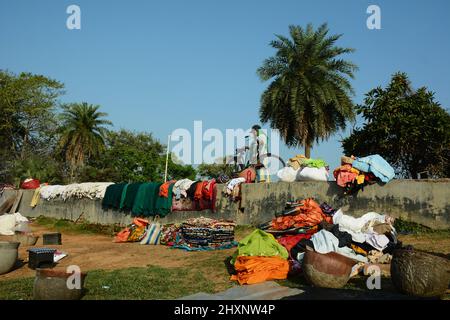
[
  {"x": 368, "y": 239},
  {"x": 90, "y": 190},
  {"x": 159, "y": 199},
  {"x": 259, "y": 258},
  {"x": 355, "y": 173},
  {"x": 300, "y": 168},
  {"x": 199, "y": 234}
]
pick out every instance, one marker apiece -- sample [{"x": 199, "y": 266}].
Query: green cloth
[
  {"x": 260, "y": 243},
  {"x": 314, "y": 163},
  {"x": 164, "y": 205},
  {"x": 132, "y": 191},
  {"x": 145, "y": 201},
  {"x": 112, "y": 197},
  {"x": 122, "y": 197}
]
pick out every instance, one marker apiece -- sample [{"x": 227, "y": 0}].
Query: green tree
[
  {"x": 27, "y": 122},
  {"x": 309, "y": 96},
  {"x": 82, "y": 133},
  {"x": 214, "y": 170},
  {"x": 405, "y": 126},
  {"x": 134, "y": 157}
]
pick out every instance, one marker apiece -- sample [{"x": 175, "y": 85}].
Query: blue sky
[{"x": 159, "y": 65}]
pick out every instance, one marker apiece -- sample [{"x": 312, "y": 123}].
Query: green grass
[
  {"x": 131, "y": 283},
  {"x": 68, "y": 226},
  {"x": 408, "y": 227}
]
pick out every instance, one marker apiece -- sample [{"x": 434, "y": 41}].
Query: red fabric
[
  {"x": 208, "y": 189},
  {"x": 199, "y": 190},
  {"x": 31, "y": 184},
  {"x": 309, "y": 214},
  {"x": 290, "y": 241},
  {"x": 344, "y": 174}
]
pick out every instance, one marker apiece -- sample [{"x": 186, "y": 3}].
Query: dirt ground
[{"x": 94, "y": 252}]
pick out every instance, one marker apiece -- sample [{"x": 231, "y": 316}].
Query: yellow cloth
[
  {"x": 35, "y": 198},
  {"x": 360, "y": 179},
  {"x": 297, "y": 161}
]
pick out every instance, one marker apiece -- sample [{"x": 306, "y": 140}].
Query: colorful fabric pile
[
  {"x": 205, "y": 234},
  {"x": 306, "y": 214},
  {"x": 159, "y": 199},
  {"x": 355, "y": 173},
  {"x": 367, "y": 239},
  {"x": 259, "y": 258},
  {"x": 300, "y": 168}
]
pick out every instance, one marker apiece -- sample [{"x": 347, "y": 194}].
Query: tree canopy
[
  {"x": 309, "y": 98},
  {"x": 405, "y": 126}
]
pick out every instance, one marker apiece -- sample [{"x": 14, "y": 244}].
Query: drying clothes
[
  {"x": 375, "y": 256},
  {"x": 164, "y": 189},
  {"x": 251, "y": 270},
  {"x": 325, "y": 242},
  {"x": 122, "y": 197},
  {"x": 51, "y": 191},
  {"x": 132, "y": 191},
  {"x": 260, "y": 243},
  {"x": 181, "y": 186},
  {"x": 291, "y": 241},
  {"x": 35, "y": 198},
  {"x": 345, "y": 174},
  {"x": 345, "y": 239},
  {"x": 208, "y": 189},
  {"x": 199, "y": 190},
  {"x": 145, "y": 200},
  {"x": 314, "y": 163},
  {"x": 182, "y": 204},
  {"x": 309, "y": 214},
  {"x": 191, "y": 191},
  {"x": 378, "y": 227},
  {"x": 113, "y": 195},
  {"x": 91, "y": 190},
  {"x": 163, "y": 205},
  {"x": 234, "y": 182},
  {"x": 376, "y": 165}
]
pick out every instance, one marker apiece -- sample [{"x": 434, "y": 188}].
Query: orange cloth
[
  {"x": 164, "y": 189},
  {"x": 199, "y": 189},
  {"x": 310, "y": 214},
  {"x": 252, "y": 270}
]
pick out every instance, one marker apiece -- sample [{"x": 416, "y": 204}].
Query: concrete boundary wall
[{"x": 422, "y": 201}]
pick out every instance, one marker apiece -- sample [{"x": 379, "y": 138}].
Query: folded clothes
[{"x": 251, "y": 270}]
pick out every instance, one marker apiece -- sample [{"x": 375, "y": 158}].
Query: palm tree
[
  {"x": 83, "y": 133},
  {"x": 309, "y": 97}
]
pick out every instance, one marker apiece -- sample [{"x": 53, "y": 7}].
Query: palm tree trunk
[{"x": 308, "y": 150}]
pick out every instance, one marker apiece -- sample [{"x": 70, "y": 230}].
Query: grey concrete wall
[{"x": 422, "y": 201}]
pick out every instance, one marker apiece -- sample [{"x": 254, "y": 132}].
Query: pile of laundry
[
  {"x": 91, "y": 190},
  {"x": 300, "y": 168},
  {"x": 158, "y": 199},
  {"x": 205, "y": 234},
  {"x": 355, "y": 173},
  {"x": 367, "y": 239},
  {"x": 259, "y": 257},
  {"x": 11, "y": 223},
  {"x": 195, "y": 234}
]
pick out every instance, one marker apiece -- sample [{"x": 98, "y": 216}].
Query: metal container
[
  {"x": 52, "y": 238},
  {"x": 8, "y": 255},
  {"x": 420, "y": 274},
  {"x": 51, "y": 284},
  {"x": 330, "y": 270}
]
